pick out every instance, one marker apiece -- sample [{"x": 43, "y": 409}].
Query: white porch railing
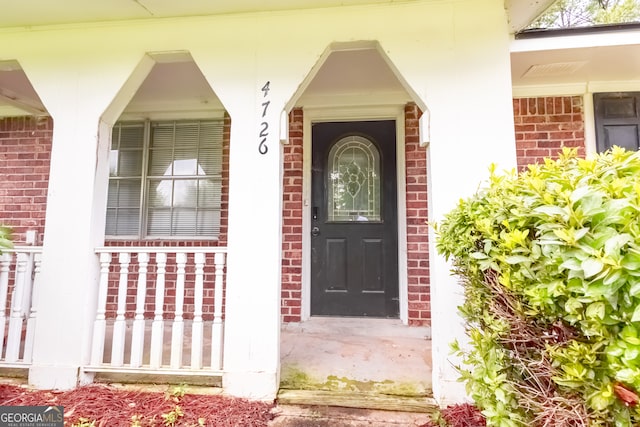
[
  {"x": 19, "y": 271},
  {"x": 151, "y": 313}
]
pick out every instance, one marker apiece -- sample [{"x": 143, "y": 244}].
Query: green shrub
[
  {"x": 5, "y": 238},
  {"x": 550, "y": 264}
]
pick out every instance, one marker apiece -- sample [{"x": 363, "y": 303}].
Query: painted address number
[{"x": 264, "y": 126}]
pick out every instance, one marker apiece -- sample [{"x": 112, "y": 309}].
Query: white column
[
  {"x": 81, "y": 89},
  {"x": 459, "y": 157},
  {"x": 252, "y": 313},
  {"x": 70, "y": 268}
]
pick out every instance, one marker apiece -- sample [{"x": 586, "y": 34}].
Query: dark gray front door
[
  {"x": 617, "y": 118},
  {"x": 354, "y": 249}
]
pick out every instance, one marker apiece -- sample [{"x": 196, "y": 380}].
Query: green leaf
[
  {"x": 636, "y": 314},
  {"x": 591, "y": 267},
  {"x": 517, "y": 259},
  {"x": 572, "y": 305},
  {"x": 550, "y": 210},
  {"x": 596, "y": 310},
  {"x": 631, "y": 261},
  {"x": 613, "y": 245},
  {"x": 634, "y": 290},
  {"x": 626, "y": 375},
  {"x": 572, "y": 264},
  {"x": 478, "y": 255}
]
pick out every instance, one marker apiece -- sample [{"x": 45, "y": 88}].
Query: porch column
[
  {"x": 69, "y": 265},
  {"x": 75, "y": 96},
  {"x": 252, "y": 310}
]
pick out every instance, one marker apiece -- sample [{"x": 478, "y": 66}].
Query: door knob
[{"x": 315, "y": 231}]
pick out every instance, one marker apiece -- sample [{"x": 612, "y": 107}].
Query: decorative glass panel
[{"x": 354, "y": 180}]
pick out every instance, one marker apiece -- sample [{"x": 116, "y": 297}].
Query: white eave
[
  {"x": 30, "y": 13},
  {"x": 522, "y": 12},
  {"x": 27, "y": 13}
]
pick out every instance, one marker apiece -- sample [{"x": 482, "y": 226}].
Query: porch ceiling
[
  {"x": 47, "y": 12},
  {"x": 27, "y": 13},
  {"x": 548, "y": 63},
  {"x": 551, "y": 61}
]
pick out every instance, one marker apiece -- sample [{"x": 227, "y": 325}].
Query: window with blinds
[{"x": 165, "y": 179}]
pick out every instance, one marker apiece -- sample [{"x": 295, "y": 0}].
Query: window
[
  {"x": 617, "y": 117},
  {"x": 165, "y": 179},
  {"x": 354, "y": 180}
]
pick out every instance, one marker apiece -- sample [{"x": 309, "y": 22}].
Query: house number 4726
[{"x": 264, "y": 126}]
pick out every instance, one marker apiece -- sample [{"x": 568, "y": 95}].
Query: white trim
[
  {"x": 568, "y": 89},
  {"x": 614, "y": 86},
  {"x": 323, "y": 100},
  {"x": 599, "y": 39},
  {"x": 401, "y": 196},
  {"x": 589, "y": 130},
  {"x": 173, "y": 113},
  {"x": 344, "y": 114}
]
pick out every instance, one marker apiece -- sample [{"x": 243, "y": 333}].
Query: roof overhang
[
  {"x": 30, "y": 13},
  {"x": 522, "y": 12}
]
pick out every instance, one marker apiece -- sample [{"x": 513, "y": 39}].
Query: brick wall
[
  {"x": 25, "y": 154},
  {"x": 545, "y": 125},
  {"x": 292, "y": 221},
  {"x": 417, "y": 214}
]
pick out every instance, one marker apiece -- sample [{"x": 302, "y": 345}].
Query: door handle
[{"x": 315, "y": 231}]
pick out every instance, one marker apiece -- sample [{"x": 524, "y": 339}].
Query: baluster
[
  {"x": 177, "y": 330},
  {"x": 15, "y": 321},
  {"x": 5, "y": 264},
  {"x": 100, "y": 324},
  {"x": 197, "y": 333},
  {"x": 28, "y": 285},
  {"x": 120, "y": 326},
  {"x": 33, "y": 312},
  {"x": 217, "y": 332},
  {"x": 157, "y": 327},
  {"x": 137, "y": 335}
]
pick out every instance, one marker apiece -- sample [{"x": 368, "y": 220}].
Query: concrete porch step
[
  {"x": 332, "y": 416},
  {"x": 358, "y": 400}
]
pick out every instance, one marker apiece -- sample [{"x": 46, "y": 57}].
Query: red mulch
[
  {"x": 111, "y": 407},
  {"x": 462, "y": 415}
]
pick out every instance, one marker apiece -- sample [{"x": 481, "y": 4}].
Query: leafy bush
[
  {"x": 550, "y": 263},
  {"x": 5, "y": 238}
]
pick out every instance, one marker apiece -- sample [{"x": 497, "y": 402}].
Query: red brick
[{"x": 558, "y": 121}]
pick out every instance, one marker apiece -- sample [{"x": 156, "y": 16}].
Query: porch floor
[{"x": 371, "y": 356}]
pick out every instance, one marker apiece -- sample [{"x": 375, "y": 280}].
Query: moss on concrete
[{"x": 294, "y": 378}]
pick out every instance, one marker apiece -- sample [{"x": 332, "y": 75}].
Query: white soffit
[
  {"x": 26, "y": 13},
  {"x": 576, "y": 66}
]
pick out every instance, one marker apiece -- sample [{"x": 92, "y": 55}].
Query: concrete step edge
[{"x": 360, "y": 400}]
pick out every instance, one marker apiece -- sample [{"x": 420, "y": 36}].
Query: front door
[{"x": 354, "y": 236}]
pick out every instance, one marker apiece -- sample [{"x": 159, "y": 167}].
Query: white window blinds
[{"x": 165, "y": 179}]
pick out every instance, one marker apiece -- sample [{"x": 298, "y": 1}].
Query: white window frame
[{"x": 145, "y": 177}]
